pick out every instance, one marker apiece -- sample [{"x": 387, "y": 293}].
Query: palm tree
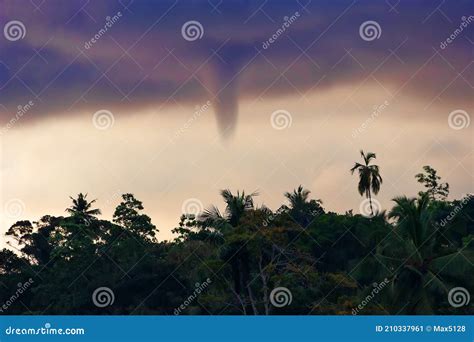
[
  {"x": 236, "y": 206},
  {"x": 298, "y": 197},
  {"x": 82, "y": 208},
  {"x": 234, "y": 252},
  {"x": 301, "y": 209},
  {"x": 369, "y": 177},
  {"x": 420, "y": 264}
]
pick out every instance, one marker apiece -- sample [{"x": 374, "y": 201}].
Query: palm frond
[
  {"x": 356, "y": 166},
  {"x": 369, "y": 156}
]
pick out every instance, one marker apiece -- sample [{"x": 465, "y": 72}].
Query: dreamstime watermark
[
  {"x": 102, "y": 297},
  {"x": 288, "y": 21},
  {"x": 281, "y": 119},
  {"x": 46, "y": 330},
  {"x": 103, "y": 119},
  {"x": 14, "y": 30},
  {"x": 459, "y": 119},
  {"x": 199, "y": 288},
  {"x": 14, "y": 208},
  {"x": 269, "y": 219},
  {"x": 458, "y": 296},
  {"x": 456, "y": 210},
  {"x": 109, "y": 22},
  {"x": 370, "y": 30},
  {"x": 13, "y": 298},
  {"x": 365, "y": 210},
  {"x": 199, "y": 110},
  {"x": 374, "y": 115},
  {"x": 375, "y": 291},
  {"x": 465, "y": 21},
  {"x": 192, "y": 30},
  {"x": 21, "y": 110},
  {"x": 280, "y": 297},
  {"x": 192, "y": 207}
]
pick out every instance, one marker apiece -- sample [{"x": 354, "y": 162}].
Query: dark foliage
[{"x": 329, "y": 262}]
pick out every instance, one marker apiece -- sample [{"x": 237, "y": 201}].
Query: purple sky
[{"x": 312, "y": 65}]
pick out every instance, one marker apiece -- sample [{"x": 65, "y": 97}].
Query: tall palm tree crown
[
  {"x": 82, "y": 207},
  {"x": 298, "y": 197},
  {"x": 236, "y": 206},
  {"x": 369, "y": 177},
  {"x": 302, "y": 209}
]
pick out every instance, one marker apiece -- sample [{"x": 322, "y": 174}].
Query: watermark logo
[
  {"x": 457, "y": 209},
  {"x": 109, "y": 22},
  {"x": 375, "y": 291},
  {"x": 192, "y": 30},
  {"x": 280, "y": 297},
  {"x": 465, "y": 21},
  {"x": 20, "y": 290},
  {"x": 378, "y": 109},
  {"x": 198, "y": 112},
  {"x": 102, "y": 297},
  {"x": 192, "y": 206},
  {"x": 21, "y": 110},
  {"x": 459, "y": 119},
  {"x": 103, "y": 119},
  {"x": 287, "y": 22},
  {"x": 458, "y": 296},
  {"x": 365, "y": 209},
  {"x": 14, "y": 208},
  {"x": 14, "y": 30},
  {"x": 370, "y": 30},
  {"x": 199, "y": 288},
  {"x": 47, "y": 329},
  {"x": 281, "y": 119}
]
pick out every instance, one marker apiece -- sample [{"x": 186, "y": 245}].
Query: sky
[{"x": 174, "y": 100}]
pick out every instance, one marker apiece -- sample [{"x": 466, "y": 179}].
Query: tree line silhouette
[{"x": 329, "y": 262}]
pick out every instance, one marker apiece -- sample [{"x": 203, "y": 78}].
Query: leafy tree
[
  {"x": 369, "y": 177},
  {"x": 127, "y": 214},
  {"x": 420, "y": 273},
  {"x": 327, "y": 261},
  {"x": 10, "y": 262},
  {"x": 301, "y": 209},
  {"x": 33, "y": 240},
  {"x": 431, "y": 181}
]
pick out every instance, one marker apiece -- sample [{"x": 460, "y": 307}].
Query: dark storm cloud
[{"x": 142, "y": 60}]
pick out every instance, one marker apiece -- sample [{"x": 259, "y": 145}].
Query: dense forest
[{"x": 246, "y": 260}]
